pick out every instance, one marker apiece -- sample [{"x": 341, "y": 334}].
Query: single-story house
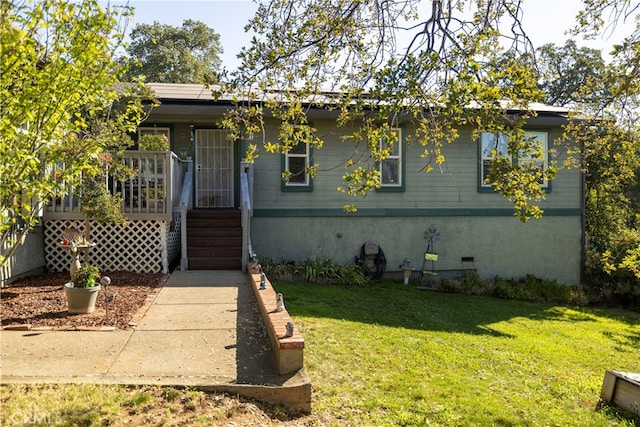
[{"x": 217, "y": 210}]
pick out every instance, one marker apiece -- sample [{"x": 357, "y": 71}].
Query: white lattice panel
[
  {"x": 173, "y": 238},
  {"x": 140, "y": 246}
]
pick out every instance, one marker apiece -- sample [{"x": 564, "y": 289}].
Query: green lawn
[{"x": 389, "y": 354}]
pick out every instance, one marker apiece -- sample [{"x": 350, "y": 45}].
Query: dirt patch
[{"x": 39, "y": 302}]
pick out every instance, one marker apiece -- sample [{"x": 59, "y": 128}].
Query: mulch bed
[{"x": 39, "y": 302}]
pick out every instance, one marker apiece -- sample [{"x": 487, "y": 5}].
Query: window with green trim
[
  {"x": 391, "y": 168},
  {"x": 536, "y": 155},
  {"x": 493, "y": 146},
  {"x": 295, "y": 166}
]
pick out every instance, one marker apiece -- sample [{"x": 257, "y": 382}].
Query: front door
[{"x": 214, "y": 169}]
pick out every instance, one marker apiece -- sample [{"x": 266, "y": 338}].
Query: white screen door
[{"x": 214, "y": 169}]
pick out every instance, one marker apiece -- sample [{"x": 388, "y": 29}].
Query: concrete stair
[{"x": 214, "y": 239}]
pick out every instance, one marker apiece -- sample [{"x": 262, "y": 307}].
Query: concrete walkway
[{"x": 203, "y": 330}]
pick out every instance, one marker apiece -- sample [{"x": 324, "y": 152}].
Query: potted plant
[{"x": 82, "y": 291}]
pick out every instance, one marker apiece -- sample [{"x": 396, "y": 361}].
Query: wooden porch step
[
  {"x": 214, "y": 239},
  {"x": 214, "y": 251},
  {"x": 200, "y": 223},
  {"x": 215, "y": 263},
  {"x": 214, "y": 233},
  {"x": 214, "y": 213}
]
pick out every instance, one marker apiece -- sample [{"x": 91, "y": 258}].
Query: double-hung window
[
  {"x": 391, "y": 168},
  {"x": 162, "y": 131},
  {"x": 494, "y": 145},
  {"x": 536, "y": 154},
  {"x": 296, "y": 161}
]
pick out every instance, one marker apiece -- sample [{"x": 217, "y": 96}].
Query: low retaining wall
[{"x": 288, "y": 350}]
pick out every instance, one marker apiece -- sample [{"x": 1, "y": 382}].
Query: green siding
[{"x": 451, "y": 186}]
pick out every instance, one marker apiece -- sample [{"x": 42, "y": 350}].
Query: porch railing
[
  {"x": 246, "y": 190},
  {"x": 184, "y": 204},
  {"x": 153, "y": 193}
]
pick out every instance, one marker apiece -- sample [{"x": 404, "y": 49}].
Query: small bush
[
  {"x": 529, "y": 288},
  {"x": 472, "y": 283},
  {"x": 613, "y": 271},
  {"x": 314, "y": 270},
  {"x": 86, "y": 277},
  {"x": 151, "y": 142}
]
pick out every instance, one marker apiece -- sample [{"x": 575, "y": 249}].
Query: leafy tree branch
[{"x": 58, "y": 100}]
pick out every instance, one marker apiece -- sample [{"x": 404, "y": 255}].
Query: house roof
[
  {"x": 200, "y": 92},
  {"x": 182, "y": 92},
  {"x": 186, "y": 100}
]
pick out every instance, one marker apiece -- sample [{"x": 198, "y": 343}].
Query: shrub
[
  {"x": 153, "y": 143},
  {"x": 86, "y": 277},
  {"x": 529, "y": 288},
  {"x": 314, "y": 270},
  {"x": 472, "y": 283},
  {"x": 613, "y": 275}
]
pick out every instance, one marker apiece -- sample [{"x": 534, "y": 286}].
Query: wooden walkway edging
[{"x": 288, "y": 350}]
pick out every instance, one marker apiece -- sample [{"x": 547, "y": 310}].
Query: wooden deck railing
[
  {"x": 152, "y": 194},
  {"x": 246, "y": 193}
]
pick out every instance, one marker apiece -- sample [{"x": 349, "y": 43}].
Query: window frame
[
  {"x": 399, "y": 158},
  {"x": 544, "y": 160},
  {"x": 154, "y": 130},
  {"x": 488, "y": 187},
  {"x": 307, "y": 185}
]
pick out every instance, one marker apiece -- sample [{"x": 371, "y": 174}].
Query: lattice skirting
[
  {"x": 173, "y": 237},
  {"x": 140, "y": 246}
]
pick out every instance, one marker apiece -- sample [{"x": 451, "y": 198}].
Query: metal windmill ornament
[{"x": 432, "y": 235}]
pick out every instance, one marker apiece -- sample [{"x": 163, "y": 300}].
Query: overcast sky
[{"x": 545, "y": 21}]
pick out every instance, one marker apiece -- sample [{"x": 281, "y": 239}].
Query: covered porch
[{"x": 155, "y": 202}]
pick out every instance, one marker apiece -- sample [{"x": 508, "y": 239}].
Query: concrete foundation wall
[
  {"x": 548, "y": 248},
  {"x": 27, "y": 260}
]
